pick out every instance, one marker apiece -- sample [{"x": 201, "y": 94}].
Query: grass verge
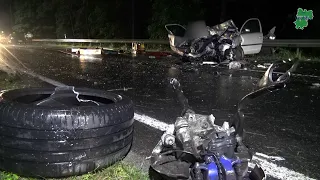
[
  {"x": 119, "y": 171},
  {"x": 14, "y": 81},
  {"x": 271, "y": 54}
]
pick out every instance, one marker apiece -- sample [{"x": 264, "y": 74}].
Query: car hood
[{"x": 220, "y": 28}]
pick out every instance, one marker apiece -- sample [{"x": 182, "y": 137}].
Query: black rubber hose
[
  {"x": 182, "y": 99},
  {"x": 221, "y": 171}
]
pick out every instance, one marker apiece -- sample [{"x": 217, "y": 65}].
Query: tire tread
[{"x": 40, "y": 141}]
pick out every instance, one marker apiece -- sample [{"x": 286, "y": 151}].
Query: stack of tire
[{"x": 54, "y": 142}]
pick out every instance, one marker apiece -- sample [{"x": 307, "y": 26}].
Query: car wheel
[
  {"x": 238, "y": 53},
  {"x": 67, "y": 131}
]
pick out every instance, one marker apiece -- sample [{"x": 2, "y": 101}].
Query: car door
[
  {"x": 252, "y": 36},
  {"x": 176, "y": 33}
]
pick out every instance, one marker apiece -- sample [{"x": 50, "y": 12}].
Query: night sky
[
  {"x": 271, "y": 13},
  {"x": 5, "y": 22}
]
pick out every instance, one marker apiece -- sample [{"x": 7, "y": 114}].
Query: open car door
[
  {"x": 176, "y": 33},
  {"x": 252, "y": 36}
]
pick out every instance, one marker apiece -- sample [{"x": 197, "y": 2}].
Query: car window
[
  {"x": 251, "y": 26},
  {"x": 177, "y": 30}
]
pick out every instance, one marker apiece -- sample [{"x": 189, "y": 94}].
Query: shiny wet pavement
[{"x": 285, "y": 123}]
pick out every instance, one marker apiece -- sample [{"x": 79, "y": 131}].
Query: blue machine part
[
  {"x": 226, "y": 163},
  {"x": 212, "y": 171}
]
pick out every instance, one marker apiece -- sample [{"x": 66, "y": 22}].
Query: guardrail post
[
  {"x": 298, "y": 53},
  {"x": 134, "y": 48}
]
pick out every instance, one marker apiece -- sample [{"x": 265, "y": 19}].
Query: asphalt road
[{"x": 285, "y": 123}]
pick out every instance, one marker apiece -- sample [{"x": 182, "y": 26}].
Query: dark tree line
[
  {"x": 75, "y": 18},
  {"x": 136, "y": 18},
  {"x": 101, "y": 19}
]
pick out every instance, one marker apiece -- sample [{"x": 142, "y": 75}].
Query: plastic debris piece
[
  {"x": 234, "y": 65},
  {"x": 261, "y": 66}
]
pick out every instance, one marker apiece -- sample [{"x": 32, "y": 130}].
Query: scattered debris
[
  {"x": 123, "y": 89},
  {"x": 195, "y": 146},
  {"x": 315, "y": 85},
  {"x": 220, "y": 42},
  {"x": 234, "y": 65},
  {"x": 262, "y": 66},
  {"x": 209, "y": 62}
]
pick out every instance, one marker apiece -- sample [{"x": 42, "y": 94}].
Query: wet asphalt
[{"x": 285, "y": 123}]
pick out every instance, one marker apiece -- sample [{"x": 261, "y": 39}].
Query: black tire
[
  {"x": 238, "y": 54},
  {"x": 54, "y": 142}
]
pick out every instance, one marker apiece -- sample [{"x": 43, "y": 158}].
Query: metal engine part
[
  {"x": 192, "y": 129},
  {"x": 195, "y": 148},
  {"x": 198, "y": 135},
  {"x": 214, "y": 151}
]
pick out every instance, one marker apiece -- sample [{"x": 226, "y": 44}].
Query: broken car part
[
  {"x": 218, "y": 43},
  {"x": 203, "y": 150},
  {"x": 271, "y": 35},
  {"x": 61, "y": 132}
]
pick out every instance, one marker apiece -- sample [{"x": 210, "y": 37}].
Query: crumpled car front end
[{"x": 200, "y": 41}]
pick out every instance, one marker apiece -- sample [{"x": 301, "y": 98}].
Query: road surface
[{"x": 285, "y": 123}]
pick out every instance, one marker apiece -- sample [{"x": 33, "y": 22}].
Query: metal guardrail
[
  {"x": 292, "y": 43},
  {"x": 269, "y": 43},
  {"x": 145, "y": 41}
]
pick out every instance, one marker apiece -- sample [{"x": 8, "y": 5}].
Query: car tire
[
  {"x": 55, "y": 142},
  {"x": 238, "y": 53}
]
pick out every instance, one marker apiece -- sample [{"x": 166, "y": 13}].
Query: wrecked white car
[{"x": 220, "y": 43}]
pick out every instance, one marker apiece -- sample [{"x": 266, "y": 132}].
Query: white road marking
[
  {"x": 162, "y": 126},
  {"x": 271, "y": 158},
  {"x": 263, "y": 160},
  {"x": 279, "y": 172}
]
